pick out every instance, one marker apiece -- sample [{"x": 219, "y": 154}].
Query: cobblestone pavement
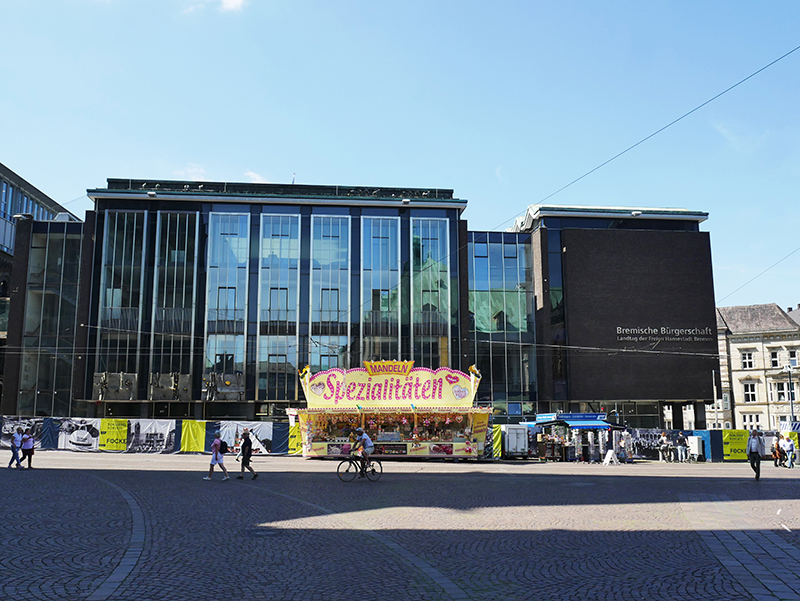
[{"x": 110, "y": 527}]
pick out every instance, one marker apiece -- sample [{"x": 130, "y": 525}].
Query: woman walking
[
  {"x": 27, "y": 446},
  {"x": 16, "y": 443}
]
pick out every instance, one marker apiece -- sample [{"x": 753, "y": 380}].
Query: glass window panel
[{"x": 554, "y": 240}]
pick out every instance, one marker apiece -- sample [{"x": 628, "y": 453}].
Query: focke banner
[
  {"x": 113, "y": 435},
  {"x": 734, "y": 444},
  {"x": 389, "y": 384}
]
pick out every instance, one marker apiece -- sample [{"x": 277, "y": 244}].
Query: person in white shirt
[
  {"x": 755, "y": 450},
  {"x": 16, "y": 445},
  {"x": 27, "y": 446},
  {"x": 788, "y": 447}
]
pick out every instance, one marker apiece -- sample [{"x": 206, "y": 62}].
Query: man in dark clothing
[
  {"x": 755, "y": 451},
  {"x": 246, "y": 451}
]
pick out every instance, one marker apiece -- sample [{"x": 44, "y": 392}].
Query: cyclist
[{"x": 363, "y": 442}]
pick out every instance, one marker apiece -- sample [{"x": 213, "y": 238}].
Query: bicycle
[{"x": 350, "y": 467}]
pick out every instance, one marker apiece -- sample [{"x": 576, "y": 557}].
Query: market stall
[
  {"x": 575, "y": 436},
  {"x": 406, "y": 411}
]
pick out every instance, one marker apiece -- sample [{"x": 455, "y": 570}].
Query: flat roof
[
  {"x": 245, "y": 192},
  {"x": 538, "y": 211}
]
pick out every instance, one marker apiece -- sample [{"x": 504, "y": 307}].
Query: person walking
[
  {"x": 246, "y": 453},
  {"x": 665, "y": 447},
  {"x": 217, "y": 457},
  {"x": 27, "y": 446},
  {"x": 682, "y": 447},
  {"x": 16, "y": 445},
  {"x": 788, "y": 448},
  {"x": 755, "y": 450},
  {"x": 777, "y": 457}
]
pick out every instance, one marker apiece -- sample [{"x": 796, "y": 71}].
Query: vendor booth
[
  {"x": 407, "y": 411},
  {"x": 578, "y": 437}
]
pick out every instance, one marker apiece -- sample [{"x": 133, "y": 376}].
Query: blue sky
[{"x": 504, "y": 102}]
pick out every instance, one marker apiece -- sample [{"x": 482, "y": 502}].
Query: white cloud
[
  {"x": 192, "y": 172},
  {"x": 224, "y": 5},
  {"x": 743, "y": 144},
  {"x": 498, "y": 173},
  {"x": 255, "y": 177},
  {"x": 190, "y": 9},
  {"x": 233, "y": 4}
]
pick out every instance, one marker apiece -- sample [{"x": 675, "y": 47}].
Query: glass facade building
[
  {"x": 206, "y": 299},
  {"x": 501, "y": 322},
  {"x": 50, "y": 321},
  {"x": 203, "y": 300},
  {"x": 17, "y": 198}
]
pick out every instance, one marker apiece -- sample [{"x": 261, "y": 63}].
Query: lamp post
[
  {"x": 788, "y": 369},
  {"x": 714, "y": 395}
]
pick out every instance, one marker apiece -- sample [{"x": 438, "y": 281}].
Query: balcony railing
[
  {"x": 226, "y": 321},
  {"x": 431, "y": 323},
  {"x": 173, "y": 320},
  {"x": 120, "y": 318},
  {"x": 380, "y": 323}
]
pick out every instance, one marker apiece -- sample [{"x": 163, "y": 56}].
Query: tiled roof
[
  {"x": 755, "y": 319},
  {"x": 795, "y": 315}
]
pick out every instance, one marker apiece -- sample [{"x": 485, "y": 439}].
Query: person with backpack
[
  {"x": 218, "y": 449},
  {"x": 246, "y": 451}
]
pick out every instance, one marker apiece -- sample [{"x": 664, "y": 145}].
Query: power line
[
  {"x": 658, "y": 131},
  {"x": 759, "y": 275},
  {"x": 601, "y": 165}
]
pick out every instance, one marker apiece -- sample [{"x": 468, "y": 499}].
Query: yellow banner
[
  {"x": 392, "y": 384},
  {"x": 295, "y": 443},
  {"x": 193, "y": 436},
  {"x": 734, "y": 445},
  {"x": 113, "y": 435},
  {"x": 480, "y": 423},
  {"x": 497, "y": 441}
]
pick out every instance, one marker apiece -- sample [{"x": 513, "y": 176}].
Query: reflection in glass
[
  {"x": 500, "y": 305},
  {"x": 330, "y": 292},
  {"x": 430, "y": 293},
  {"x": 278, "y": 299},
  {"x": 226, "y": 295},
  {"x": 174, "y": 293},
  {"x": 50, "y": 321},
  {"x": 121, "y": 285},
  {"x": 380, "y": 286}
]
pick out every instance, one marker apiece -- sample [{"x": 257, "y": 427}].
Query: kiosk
[
  {"x": 575, "y": 436},
  {"x": 407, "y": 411}
]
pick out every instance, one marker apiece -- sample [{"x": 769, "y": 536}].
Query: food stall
[
  {"x": 573, "y": 436},
  {"x": 407, "y": 411}
]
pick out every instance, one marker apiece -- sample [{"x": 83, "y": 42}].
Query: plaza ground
[{"x": 106, "y": 526}]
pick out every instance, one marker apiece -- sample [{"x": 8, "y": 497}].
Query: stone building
[{"x": 758, "y": 360}]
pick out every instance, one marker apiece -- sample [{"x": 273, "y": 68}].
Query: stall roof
[
  {"x": 406, "y": 409},
  {"x": 581, "y": 424}
]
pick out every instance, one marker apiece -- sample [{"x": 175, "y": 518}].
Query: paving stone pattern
[{"x": 107, "y": 527}]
